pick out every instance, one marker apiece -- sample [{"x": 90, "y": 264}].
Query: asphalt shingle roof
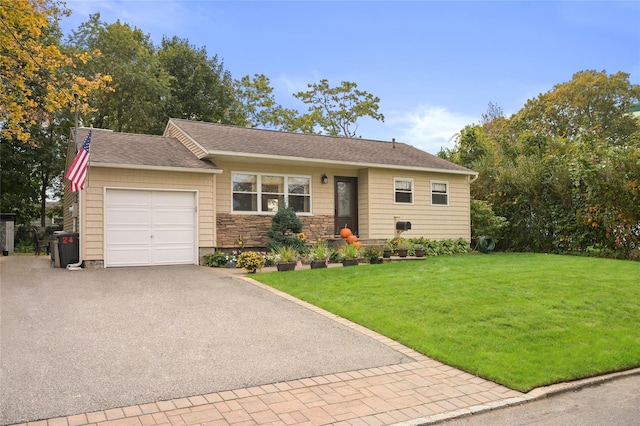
[
  {"x": 220, "y": 139},
  {"x": 109, "y": 147}
]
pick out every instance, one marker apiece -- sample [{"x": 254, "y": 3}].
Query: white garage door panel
[
  {"x": 127, "y": 217},
  {"x": 172, "y": 199},
  {"x": 129, "y": 237},
  {"x": 150, "y": 228},
  {"x": 173, "y": 256},
  {"x": 172, "y": 237},
  {"x": 129, "y": 198},
  {"x": 173, "y": 218},
  {"x": 123, "y": 256}
]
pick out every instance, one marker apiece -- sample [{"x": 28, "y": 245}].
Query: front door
[{"x": 346, "y": 202}]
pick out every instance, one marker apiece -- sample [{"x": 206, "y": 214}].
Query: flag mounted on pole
[{"x": 77, "y": 173}]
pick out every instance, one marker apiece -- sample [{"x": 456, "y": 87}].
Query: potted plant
[
  {"x": 250, "y": 261},
  {"x": 403, "y": 247},
  {"x": 418, "y": 250},
  {"x": 350, "y": 253},
  {"x": 319, "y": 255},
  {"x": 386, "y": 251},
  {"x": 287, "y": 257},
  {"x": 372, "y": 254}
]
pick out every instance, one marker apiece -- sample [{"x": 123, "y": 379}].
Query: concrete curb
[{"x": 535, "y": 394}]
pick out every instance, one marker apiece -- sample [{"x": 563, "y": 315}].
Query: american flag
[{"x": 77, "y": 173}]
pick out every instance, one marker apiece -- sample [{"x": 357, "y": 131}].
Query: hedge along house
[{"x": 171, "y": 199}]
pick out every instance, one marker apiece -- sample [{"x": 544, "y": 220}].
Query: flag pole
[
  {"x": 75, "y": 142},
  {"x": 76, "y": 196}
]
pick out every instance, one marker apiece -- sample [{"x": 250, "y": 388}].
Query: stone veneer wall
[{"x": 253, "y": 229}]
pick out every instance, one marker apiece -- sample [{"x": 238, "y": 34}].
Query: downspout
[{"x": 76, "y": 200}]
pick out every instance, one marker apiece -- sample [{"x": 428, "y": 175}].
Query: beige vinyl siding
[
  {"x": 364, "y": 204},
  {"x": 322, "y": 200},
  {"x": 430, "y": 221},
  {"x": 101, "y": 177}
]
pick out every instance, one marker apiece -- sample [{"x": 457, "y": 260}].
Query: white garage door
[{"x": 150, "y": 228}]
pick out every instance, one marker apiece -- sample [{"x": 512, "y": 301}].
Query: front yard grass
[{"x": 522, "y": 320}]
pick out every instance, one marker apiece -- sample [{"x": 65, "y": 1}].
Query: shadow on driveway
[{"x": 81, "y": 341}]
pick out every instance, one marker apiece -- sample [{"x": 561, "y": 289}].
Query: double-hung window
[
  {"x": 439, "y": 193},
  {"x": 403, "y": 190},
  {"x": 267, "y": 193}
]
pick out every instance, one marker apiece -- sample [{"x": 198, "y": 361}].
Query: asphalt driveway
[{"x": 81, "y": 341}]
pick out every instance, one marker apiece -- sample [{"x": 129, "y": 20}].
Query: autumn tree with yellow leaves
[{"x": 38, "y": 78}]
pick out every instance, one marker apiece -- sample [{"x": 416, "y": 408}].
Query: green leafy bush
[
  {"x": 447, "y": 247},
  {"x": 285, "y": 230},
  {"x": 462, "y": 246},
  {"x": 218, "y": 259},
  {"x": 24, "y": 247}
]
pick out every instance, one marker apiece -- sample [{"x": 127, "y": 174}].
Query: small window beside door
[
  {"x": 440, "y": 193},
  {"x": 403, "y": 190}
]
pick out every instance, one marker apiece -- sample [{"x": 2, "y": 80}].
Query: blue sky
[{"x": 434, "y": 65}]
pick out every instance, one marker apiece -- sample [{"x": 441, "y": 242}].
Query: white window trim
[
  {"x": 258, "y": 193},
  {"x": 413, "y": 192},
  {"x": 431, "y": 192}
]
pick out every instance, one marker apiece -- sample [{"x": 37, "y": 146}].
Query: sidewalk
[{"x": 419, "y": 392}]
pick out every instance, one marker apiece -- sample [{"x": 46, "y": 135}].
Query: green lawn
[{"x": 522, "y": 320}]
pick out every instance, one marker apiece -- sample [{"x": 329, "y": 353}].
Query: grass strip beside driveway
[{"x": 522, "y": 320}]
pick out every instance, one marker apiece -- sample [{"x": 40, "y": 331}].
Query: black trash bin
[{"x": 68, "y": 248}]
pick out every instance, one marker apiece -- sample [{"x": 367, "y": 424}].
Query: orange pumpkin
[
  {"x": 352, "y": 239},
  {"x": 357, "y": 245},
  {"x": 345, "y": 232}
]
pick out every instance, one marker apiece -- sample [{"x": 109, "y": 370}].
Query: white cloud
[{"x": 429, "y": 128}]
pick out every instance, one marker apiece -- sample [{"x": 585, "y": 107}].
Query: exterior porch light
[{"x": 324, "y": 179}]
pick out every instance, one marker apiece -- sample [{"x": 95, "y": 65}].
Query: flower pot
[
  {"x": 317, "y": 264},
  {"x": 5, "y": 252},
  {"x": 376, "y": 261},
  {"x": 286, "y": 266},
  {"x": 402, "y": 253},
  {"x": 419, "y": 253},
  {"x": 350, "y": 262},
  {"x": 386, "y": 254}
]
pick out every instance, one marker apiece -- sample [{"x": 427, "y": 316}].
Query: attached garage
[{"x": 150, "y": 227}]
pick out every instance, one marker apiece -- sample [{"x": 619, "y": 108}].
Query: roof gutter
[
  {"x": 157, "y": 168},
  {"x": 211, "y": 155}
]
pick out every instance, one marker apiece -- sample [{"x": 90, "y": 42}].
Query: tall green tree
[
  {"x": 261, "y": 109},
  {"x": 564, "y": 170},
  {"x": 336, "y": 110},
  {"x": 140, "y": 87},
  {"x": 201, "y": 88},
  {"x": 18, "y": 182},
  {"x": 332, "y": 110}
]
